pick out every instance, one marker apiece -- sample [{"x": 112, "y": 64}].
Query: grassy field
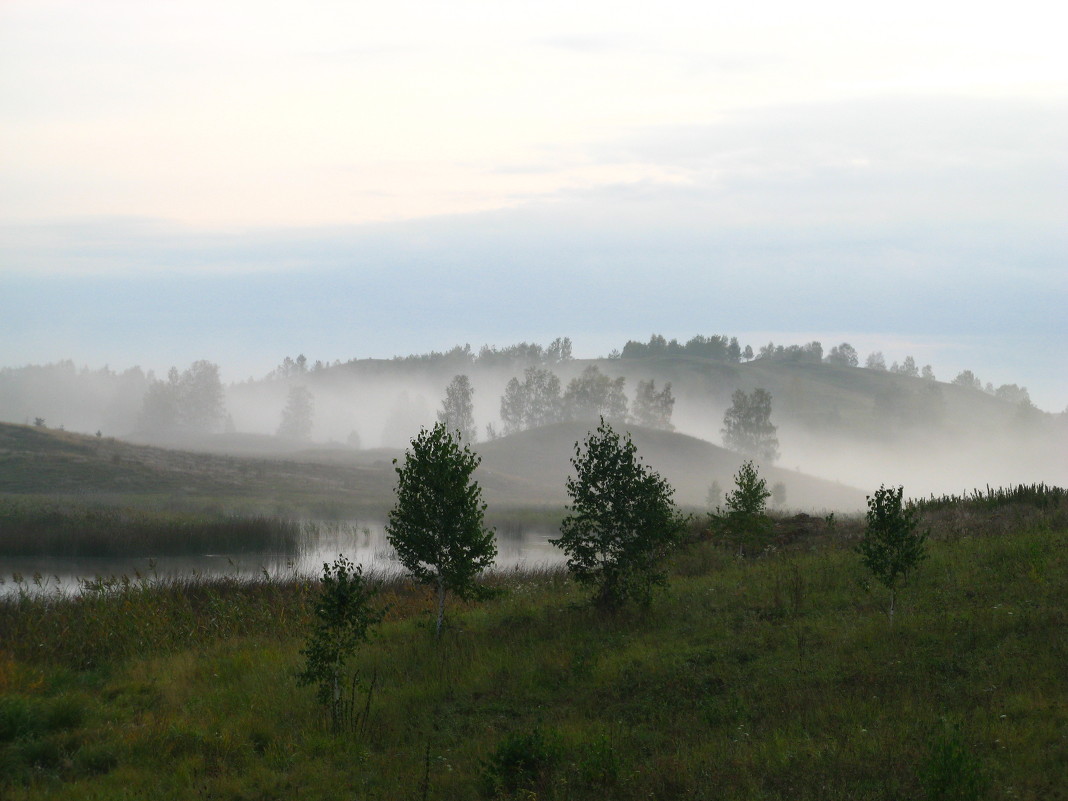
[{"x": 775, "y": 677}]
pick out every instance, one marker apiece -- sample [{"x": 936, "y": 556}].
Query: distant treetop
[
  {"x": 812, "y": 352},
  {"x": 717, "y": 348}
]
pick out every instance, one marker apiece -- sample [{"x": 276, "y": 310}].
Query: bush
[{"x": 522, "y": 761}]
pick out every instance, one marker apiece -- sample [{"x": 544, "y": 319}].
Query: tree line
[
  {"x": 190, "y": 400},
  {"x": 538, "y": 401}
]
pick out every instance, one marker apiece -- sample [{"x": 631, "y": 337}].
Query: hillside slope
[
  {"x": 526, "y": 469},
  {"x": 541, "y": 457},
  {"x": 42, "y": 461},
  {"x": 855, "y": 425}
]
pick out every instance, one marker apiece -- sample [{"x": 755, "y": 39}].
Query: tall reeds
[{"x": 33, "y": 526}]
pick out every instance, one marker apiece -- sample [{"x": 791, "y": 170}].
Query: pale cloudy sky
[{"x": 241, "y": 181}]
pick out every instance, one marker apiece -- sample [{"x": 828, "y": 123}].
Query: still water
[{"x": 363, "y": 542}]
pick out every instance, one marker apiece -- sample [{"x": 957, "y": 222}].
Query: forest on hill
[{"x": 838, "y": 415}]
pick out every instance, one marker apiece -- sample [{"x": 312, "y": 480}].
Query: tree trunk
[{"x": 441, "y": 604}]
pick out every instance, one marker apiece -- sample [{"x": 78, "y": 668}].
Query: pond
[{"x": 364, "y": 542}]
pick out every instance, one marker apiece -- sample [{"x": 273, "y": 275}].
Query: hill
[
  {"x": 526, "y": 469},
  {"x": 42, "y": 461},
  {"x": 858, "y": 426},
  {"x": 541, "y": 458}
]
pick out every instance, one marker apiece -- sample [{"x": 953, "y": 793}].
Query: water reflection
[{"x": 364, "y": 542}]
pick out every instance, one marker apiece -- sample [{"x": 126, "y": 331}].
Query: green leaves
[
  {"x": 343, "y": 617},
  {"x": 744, "y": 522},
  {"x": 892, "y": 547},
  {"x": 437, "y": 524},
  {"x": 622, "y": 520}
]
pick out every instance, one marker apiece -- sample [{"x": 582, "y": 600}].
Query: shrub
[{"x": 522, "y": 761}]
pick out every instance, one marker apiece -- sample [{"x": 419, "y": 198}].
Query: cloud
[
  {"x": 871, "y": 161},
  {"x": 535, "y": 272}
]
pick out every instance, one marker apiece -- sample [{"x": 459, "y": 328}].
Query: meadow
[{"x": 774, "y": 676}]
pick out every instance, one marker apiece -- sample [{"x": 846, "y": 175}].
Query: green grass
[{"x": 769, "y": 678}]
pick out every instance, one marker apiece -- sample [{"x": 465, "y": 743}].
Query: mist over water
[{"x": 364, "y": 542}]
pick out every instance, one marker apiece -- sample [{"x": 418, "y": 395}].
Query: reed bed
[
  {"x": 1040, "y": 496},
  {"x": 34, "y": 526}
]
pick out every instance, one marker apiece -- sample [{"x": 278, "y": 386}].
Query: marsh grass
[
  {"x": 1040, "y": 495},
  {"x": 772, "y": 677},
  {"x": 31, "y": 525}
]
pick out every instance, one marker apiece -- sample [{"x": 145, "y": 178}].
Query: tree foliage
[
  {"x": 809, "y": 353},
  {"x": 621, "y": 522},
  {"x": 968, "y": 379},
  {"x": 892, "y": 546},
  {"x": 437, "y": 524},
  {"x": 747, "y": 426},
  {"x": 876, "y": 361},
  {"x": 907, "y": 367},
  {"x": 714, "y": 496},
  {"x": 458, "y": 410},
  {"x": 652, "y": 408},
  {"x": 593, "y": 395},
  {"x": 297, "y": 414},
  {"x": 190, "y": 401},
  {"x": 344, "y": 615},
  {"x": 533, "y": 403},
  {"x": 743, "y": 522},
  {"x": 716, "y": 348},
  {"x": 844, "y": 355}
]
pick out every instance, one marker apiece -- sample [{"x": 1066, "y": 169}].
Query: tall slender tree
[
  {"x": 458, "y": 409},
  {"x": 652, "y": 408},
  {"x": 747, "y": 426},
  {"x": 437, "y": 524},
  {"x": 297, "y": 414}
]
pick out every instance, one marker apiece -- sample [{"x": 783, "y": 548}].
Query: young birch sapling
[
  {"x": 344, "y": 615},
  {"x": 744, "y": 522},
  {"x": 622, "y": 520},
  {"x": 892, "y": 546},
  {"x": 436, "y": 526}
]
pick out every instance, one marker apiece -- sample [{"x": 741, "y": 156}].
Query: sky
[{"x": 242, "y": 181}]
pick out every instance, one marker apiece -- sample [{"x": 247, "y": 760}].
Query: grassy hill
[
  {"x": 55, "y": 463},
  {"x": 858, "y": 426},
  {"x": 542, "y": 458},
  {"x": 526, "y": 469}
]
